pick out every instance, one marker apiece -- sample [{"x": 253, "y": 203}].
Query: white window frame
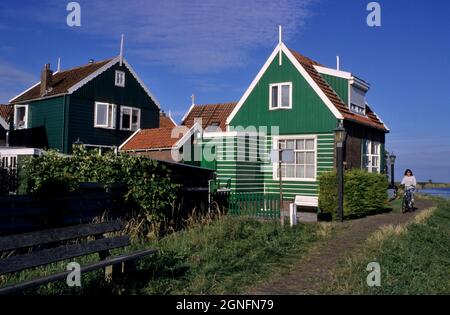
[
  {"x": 122, "y": 108},
  {"x": 275, "y": 141},
  {"x": 369, "y": 154},
  {"x": 357, "y": 109},
  {"x": 279, "y": 97},
  {"x": 109, "y": 124},
  {"x": 118, "y": 82},
  {"x": 25, "y": 126}
]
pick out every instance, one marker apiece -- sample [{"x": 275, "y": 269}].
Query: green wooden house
[
  {"x": 100, "y": 104},
  {"x": 296, "y": 103}
]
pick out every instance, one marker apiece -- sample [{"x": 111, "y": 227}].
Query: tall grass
[
  {"x": 414, "y": 258},
  {"x": 215, "y": 254}
]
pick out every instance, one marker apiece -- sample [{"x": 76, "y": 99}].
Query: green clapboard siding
[
  {"x": 253, "y": 172},
  {"x": 103, "y": 89},
  {"x": 339, "y": 85},
  {"x": 49, "y": 113},
  {"x": 308, "y": 114}
]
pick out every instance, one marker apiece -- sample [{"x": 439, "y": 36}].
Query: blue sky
[{"x": 215, "y": 48}]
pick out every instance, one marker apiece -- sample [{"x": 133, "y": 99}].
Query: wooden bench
[
  {"x": 306, "y": 201},
  {"x": 41, "y": 248}
]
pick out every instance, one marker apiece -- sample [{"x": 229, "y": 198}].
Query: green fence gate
[{"x": 254, "y": 205}]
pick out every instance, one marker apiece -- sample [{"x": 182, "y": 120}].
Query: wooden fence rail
[{"x": 254, "y": 205}]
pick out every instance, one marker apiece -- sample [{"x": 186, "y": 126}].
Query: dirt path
[{"x": 310, "y": 275}]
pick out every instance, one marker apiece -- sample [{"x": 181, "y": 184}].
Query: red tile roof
[
  {"x": 210, "y": 114},
  {"x": 166, "y": 121},
  {"x": 62, "y": 81},
  {"x": 370, "y": 119},
  {"x": 156, "y": 138},
  {"x": 6, "y": 112}
]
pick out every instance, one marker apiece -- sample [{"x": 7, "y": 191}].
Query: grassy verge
[
  {"x": 414, "y": 258},
  {"x": 224, "y": 257}
]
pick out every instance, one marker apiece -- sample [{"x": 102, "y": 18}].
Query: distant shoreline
[
  {"x": 421, "y": 185},
  {"x": 432, "y": 185}
]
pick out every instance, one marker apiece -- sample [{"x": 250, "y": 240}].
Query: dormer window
[
  {"x": 280, "y": 96},
  {"x": 357, "y": 100},
  {"x": 357, "y": 109},
  {"x": 120, "y": 78}
]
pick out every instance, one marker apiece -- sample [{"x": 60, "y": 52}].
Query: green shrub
[
  {"x": 148, "y": 181},
  {"x": 364, "y": 193}
]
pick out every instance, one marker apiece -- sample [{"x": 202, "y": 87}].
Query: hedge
[
  {"x": 149, "y": 182},
  {"x": 364, "y": 193}
]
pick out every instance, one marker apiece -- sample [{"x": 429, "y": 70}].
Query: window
[
  {"x": 357, "y": 100},
  {"x": 357, "y": 109},
  {"x": 105, "y": 115},
  {"x": 280, "y": 95},
  {"x": 304, "y": 166},
  {"x": 21, "y": 116},
  {"x": 120, "y": 78},
  {"x": 371, "y": 156},
  {"x": 130, "y": 118}
]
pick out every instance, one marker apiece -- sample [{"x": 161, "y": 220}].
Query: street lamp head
[
  {"x": 340, "y": 133},
  {"x": 392, "y": 158}
]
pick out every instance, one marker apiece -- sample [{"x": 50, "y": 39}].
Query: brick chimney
[{"x": 46, "y": 79}]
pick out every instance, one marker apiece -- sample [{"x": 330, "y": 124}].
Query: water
[{"x": 441, "y": 192}]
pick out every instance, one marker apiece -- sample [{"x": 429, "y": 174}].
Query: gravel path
[{"x": 315, "y": 270}]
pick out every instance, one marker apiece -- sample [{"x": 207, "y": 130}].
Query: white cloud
[{"x": 195, "y": 35}]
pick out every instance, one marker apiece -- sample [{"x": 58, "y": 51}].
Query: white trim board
[
  {"x": 187, "y": 113},
  {"x": 129, "y": 138},
  {"x": 385, "y": 126},
  {"x": 4, "y": 123},
  {"x": 334, "y": 72},
  {"x": 187, "y": 136},
  {"x": 302, "y": 71},
  {"x": 20, "y": 151},
  {"x": 96, "y": 74}
]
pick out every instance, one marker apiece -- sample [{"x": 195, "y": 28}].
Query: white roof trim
[
  {"x": 187, "y": 114},
  {"x": 129, "y": 138},
  {"x": 311, "y": 82},
  {"x": 253, "y": 84},
  {"x": 385, "y": 126},
  {"x": 17, "y": 96},
  {"x": 3, "y": 123},
  {"x": 191, "y": 131},
  {"x": 173, "y": 121},
  {"x": 334, "y": 72},
  {"x": 302, "y": 71},
  {"x": 125, "y": 62},
  {"x": 106, "y": 67},
  {"x": 363, "y": 85},
  {"x": 92, "y": 76}
]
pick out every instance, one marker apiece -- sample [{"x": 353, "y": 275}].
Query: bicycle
[{"x": 407, "y": 202}]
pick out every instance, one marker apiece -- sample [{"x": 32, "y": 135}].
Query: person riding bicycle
[{"x": 409, "y": 181}]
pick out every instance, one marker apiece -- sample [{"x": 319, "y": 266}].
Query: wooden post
[{"x": 280, "y": 157}]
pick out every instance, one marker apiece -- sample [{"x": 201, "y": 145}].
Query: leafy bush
[
  {"x": 149, "y": 184},
  {"x": 364, "y": 193}
]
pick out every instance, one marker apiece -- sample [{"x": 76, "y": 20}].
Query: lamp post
[
  {"x": 392, "y": 158},
  {"x": 340, "y": 135}
]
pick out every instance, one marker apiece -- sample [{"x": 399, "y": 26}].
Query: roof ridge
[
  {"x": 87, "y": 65},
  {"x": 215, "y": 104}
]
